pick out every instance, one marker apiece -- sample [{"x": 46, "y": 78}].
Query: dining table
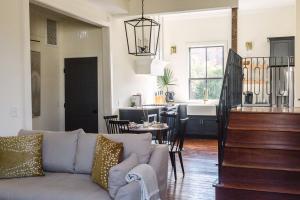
[{"x": 157, "y": 128}]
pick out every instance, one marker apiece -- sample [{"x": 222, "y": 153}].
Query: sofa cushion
[
  {"x": 139, "y": 144},
  {"x": 21, "y": 156},
  {"x": 117, "y": 173},
  {"x": 107, "y": 154},
  {"x": 134, "y": 143},
  {"x": 85, "y": 153},
  {"x": 30, "y": 132},
  {"x": 59, "y": 150},
  {"x": 58, "y": 186}
]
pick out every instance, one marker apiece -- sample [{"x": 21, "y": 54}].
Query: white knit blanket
[{"x": 146, "y": 177}]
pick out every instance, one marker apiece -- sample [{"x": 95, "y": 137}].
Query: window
[{"x": 206, "y": 72}]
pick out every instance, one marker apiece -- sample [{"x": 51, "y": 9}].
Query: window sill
[{"x": 212, "y": 102}]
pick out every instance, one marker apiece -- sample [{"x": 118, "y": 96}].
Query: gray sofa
[{"x": 67, "y": 162}]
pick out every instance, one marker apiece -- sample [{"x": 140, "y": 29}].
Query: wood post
[{"x": 234, "y": 29}]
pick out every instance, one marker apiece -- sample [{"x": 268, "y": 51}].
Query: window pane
[
  {"x": 198, "y": 62},
  {"x": 197, "y": 88},
  {"x": 214, "y": 88},
  {"x": 215, "y": 62}
]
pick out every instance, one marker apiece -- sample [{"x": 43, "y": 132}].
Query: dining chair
[
  {"x": 171, "y": 120},
  {"x": 119, "y": 126},
  {"x": 107, "y": 119},
  {"x": 176, "y": 146}
]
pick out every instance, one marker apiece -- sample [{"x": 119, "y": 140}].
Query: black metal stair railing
[
  {"x": 268, "y": 81},
  {"x": 231, "y": 96}
]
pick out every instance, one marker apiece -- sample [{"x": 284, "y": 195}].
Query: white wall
[
  {"x": 297, "y": 72},
  {"x": 75, "y": 39},
  {"x": 125, "y": 81},
  {"x": 82, "y": 40},
  {"x": 206, "y": 28},
  {"x": 50, "y": 68},
  {"x": 82, "y": 10},
  {"x": 15, "y": 101},
  {"x": 257, "y": 25}
]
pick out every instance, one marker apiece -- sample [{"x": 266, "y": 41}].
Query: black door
[{"x": 81, "y": 94}]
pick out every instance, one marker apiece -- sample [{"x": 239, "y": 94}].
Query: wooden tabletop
[{"x": 150, "y": 128}]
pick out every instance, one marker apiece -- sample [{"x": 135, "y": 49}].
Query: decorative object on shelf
[
  {"x": 165, "y": 81},
  {"x": 170, "y": 96},
  {"x": 142, "y": 35},
  {"x": 136, "y": 100}
]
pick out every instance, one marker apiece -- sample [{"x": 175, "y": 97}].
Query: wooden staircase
[{"x": 261, "y": 155}]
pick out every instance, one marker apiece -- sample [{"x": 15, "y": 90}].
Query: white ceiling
[
  {"x": 112, "y": 6},
  {"x": 116, "y": 7},
  {"x": 197, "y": 15},
  {"x": 263, "y": 4}
]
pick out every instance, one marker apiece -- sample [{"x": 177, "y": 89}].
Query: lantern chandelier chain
[{"x": 142, "y": 9}]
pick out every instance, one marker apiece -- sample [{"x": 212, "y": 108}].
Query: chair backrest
[
  {"x": 119, "y": 126},
  {"x": 177, "y": 141},
  {"x": 181, "y": 133},
  {"x": 171, "y": 121},
  {"x": 107, "y": 119}
]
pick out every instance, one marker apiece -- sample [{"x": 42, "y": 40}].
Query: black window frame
[{"x": 206, "y": 78}]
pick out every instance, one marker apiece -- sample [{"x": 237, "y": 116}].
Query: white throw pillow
[{"x": 117, "y": 173}]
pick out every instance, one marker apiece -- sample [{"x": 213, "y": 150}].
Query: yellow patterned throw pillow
[
  {"x": 107, "y": 155},
  {"x": 21, "y": 156}
]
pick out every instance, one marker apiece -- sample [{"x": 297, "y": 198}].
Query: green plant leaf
[{"x": 167, "y": 79}]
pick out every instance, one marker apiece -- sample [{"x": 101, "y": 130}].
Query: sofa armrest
[
  {"x": 159, "y": 161},
  {"x": 131, "y": 191}
]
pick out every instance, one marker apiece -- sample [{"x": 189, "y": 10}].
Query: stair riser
[
  {"x": 262, "y": 157},
  {"x": 264, "y": 121},
  {"x": 261, "y": 177},
  {"x": 237, "y": 194},
  {"x": 263, "y": 137}
]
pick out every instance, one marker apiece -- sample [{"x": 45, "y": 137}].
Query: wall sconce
[
  {"x": 249, "y": 46},
  {"x": 173, "y": 50}
]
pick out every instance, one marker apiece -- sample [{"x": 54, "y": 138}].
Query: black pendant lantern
[{"x": 142, "y": 35}]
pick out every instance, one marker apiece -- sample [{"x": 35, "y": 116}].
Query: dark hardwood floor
[{"x": 200, "y": 158}]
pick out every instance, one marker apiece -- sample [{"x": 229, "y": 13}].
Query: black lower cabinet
[
  {"x": 137, "y": 115},
  {"x": 202, "y": 126}
]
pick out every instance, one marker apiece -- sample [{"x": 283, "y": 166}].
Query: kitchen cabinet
[
  {"x": 201, "y": 126},
  {"x": 137, "y": 115}
]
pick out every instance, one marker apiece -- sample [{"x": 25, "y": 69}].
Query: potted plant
[{"x": 165, "y": 81}]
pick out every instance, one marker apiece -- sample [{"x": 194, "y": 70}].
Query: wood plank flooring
[{"x": 199, "y": 158}]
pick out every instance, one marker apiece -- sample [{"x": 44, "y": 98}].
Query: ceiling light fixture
[{"x": 142, "y": 35}]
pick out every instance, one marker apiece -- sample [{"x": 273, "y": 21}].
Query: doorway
[
  {"x": 282, "y": 46},
  {"x": 81, "y": 94}
]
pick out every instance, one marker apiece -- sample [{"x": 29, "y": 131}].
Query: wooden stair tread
[
  {"x": 263, "y": 146},
  {"x": 261, "y": 167},
  {"x": 272, "y": 189},
  {"x": 275, "y": 129}
]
